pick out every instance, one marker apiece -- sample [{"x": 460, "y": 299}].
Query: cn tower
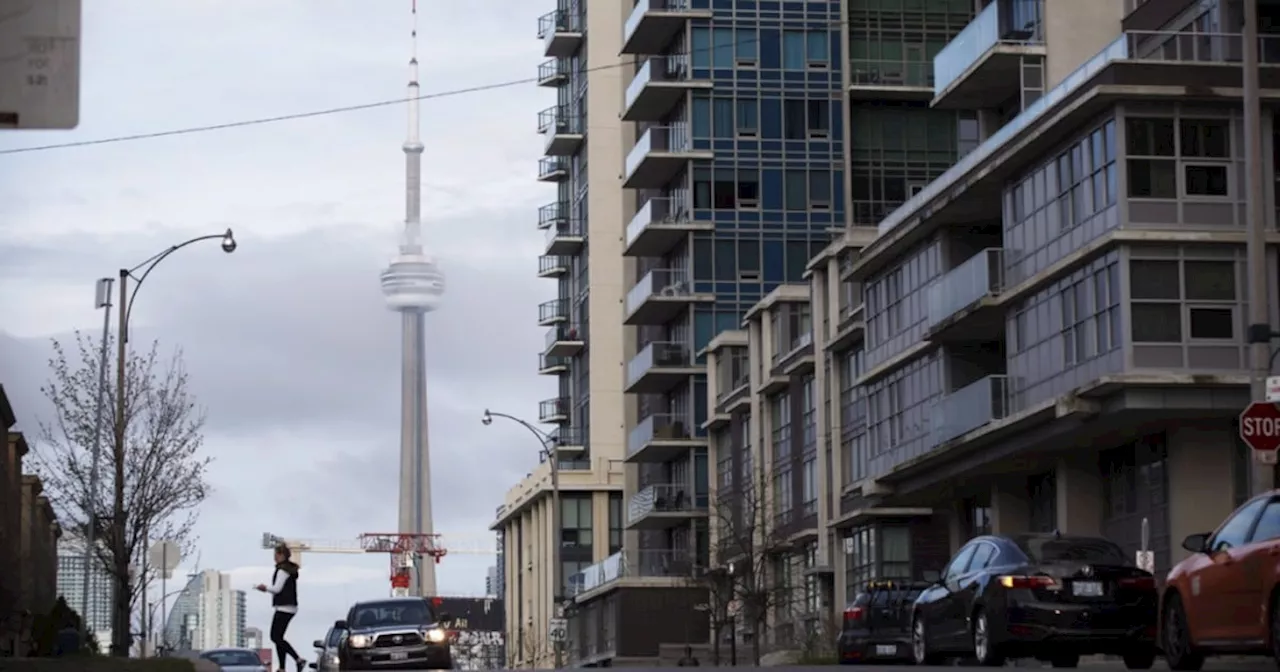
[{"x": 413, "y": 285}]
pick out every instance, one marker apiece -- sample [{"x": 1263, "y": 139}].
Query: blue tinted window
[
  {"x": 701, "y": 117},
  {"x": 820, "y": 187},
  {"x": 748, "y": 116},
  {"x": 774, "y": 266},
  {"x": 722, "y": 52},
  {"x": 748, "y": 45},
  {"x": 700, "y": 45},
  {"x": 722, "y": 117},
  {"x": 729, "y": 321},
  {"x": 793, "y": 50},
  {"x": 819, "y": 46},
  {"x": 703, "y": 330},
  {"x": 797, "y": 188}
]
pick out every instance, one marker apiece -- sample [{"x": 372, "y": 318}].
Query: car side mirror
[
  {"x": 339, "y": 625},
  {"x": 1196, "y": 543},
  {"x": 317, "y": 644},
  {"x": 312, "y": 666}
]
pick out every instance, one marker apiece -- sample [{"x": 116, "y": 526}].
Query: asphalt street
[{"x": 1259, "y": 664}]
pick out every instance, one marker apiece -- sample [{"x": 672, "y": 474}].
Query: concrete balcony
[
  {"x": 566, "y": 238},
  {"x": 879, "y": 79},
  {"x": 662, "y": 83},
  {"x": 553, "y": 73},
  {"x": 553, "y": 169},
  {"x": 566, "y": 340},
  {"x": 660, "y": 296},
  {"x": 555, "y": 311},
  {"x": 982, "y": 65},
  {"x": 553, "y": 214},
  {"x": 563, "y": 130},
  {"x": 663, "y": 506},
  {"x": 798, "y": 358},
  {"x": 737, "y": 396},
  {"x": 568, "y": 440},
  {"x": 653, "y": 24},
  {"x": 656, "y": 567},
  {"x": 551, "y": 365},
  {"x": 659, "y": 225},
  {"x": 970, "y": 407},
  {"x": 961, "y": 304},
  {"x": 553, "y": 266},
  {"x": 662, "y": 437},
  {"x": 553, "y": 411},
  {"x": 561, "y": 33},
  {"x": 660, "y": 366},
  {"x": 659, "y": 155}
]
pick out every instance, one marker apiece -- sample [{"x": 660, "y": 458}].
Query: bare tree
[
  {"x": 165, "y": 473},
  {"x": 747, "y": 544},
  {"x": 528, "y": 649}
]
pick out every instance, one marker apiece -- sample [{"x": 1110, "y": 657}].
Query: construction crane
[{"x": 404, "y": 550}]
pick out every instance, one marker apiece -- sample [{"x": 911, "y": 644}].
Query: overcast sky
[{"x": 288, "y": 342}]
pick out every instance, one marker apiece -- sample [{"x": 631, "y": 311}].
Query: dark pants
[{"x": 280, "y": 623}]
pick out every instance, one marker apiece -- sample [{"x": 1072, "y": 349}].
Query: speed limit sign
[{"x": 558, "y": 630}]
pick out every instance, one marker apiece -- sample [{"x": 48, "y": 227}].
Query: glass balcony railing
[
  {"x": 663, "y": 498},
  {"x": 668, "y": 68},
  {"x": 566, "y": 333},
  {"x": 549, "y": 166},
  {"x": 665, "y": 139},
  {"x": 568, "y": 436},
  {"x": 558, "y": 21},
  {"x": 546, "y": 361},
  {"x": 661, "y": 282},
  {"x": 550, "y": 410},
  {"x": 555, "y": 309},
  {"x": 660, "y": 354},
  {"x": 656, "y": 212},
  {"x": 1012, "y": 22},
  {"x": 552, "y": 214},
  {"x": 885, "y": 72},
  {"x": 643, "y": 563},
  {"x": 552, "y": 70},
  {"x": 981, "y": 275},
  {"x": 566, "y": 229},
  {"x": 970, "y": 407},
  {"x": 559, "y": 120},
  {"x": 662, "y": 427},
  {"x": 552, "y": 263}
]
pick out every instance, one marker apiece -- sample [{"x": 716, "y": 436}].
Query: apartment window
[
  {"x": 1170, "y": 296},
  {"x": 748, "y": 118},
  {"x": 575, "y": 517},
  {"x": 722, "y": 51},
  {"x": 722, "y": 121},
  {"x": 1162, "y": 150},
  {"x": 809, "y": 484},
  {"x": 780, "y": 410},
  {"x": 810, "y": 420},
  {"x": 819, "y": 118},
  {"x": 795, "y": 120},
  {"x": 726, "y": 188},
  {"x": 793, "y": 50},
  {"x": 615, "y": 522},
  {"x": 1090, "y": 309},
  {"x": 1081, "y": 181},
  {"x": 748, "y": 47},
  {"x": 818, "y": 48},
  {"x": 796, "y": 190},
  {"x": 783, "y": 494},
  {"x": 820, "y": 189},
  {"x": 875, "y": 552}
]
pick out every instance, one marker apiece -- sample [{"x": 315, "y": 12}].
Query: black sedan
[
  {"x": 394, "y": 633},
  {"x": 1046, "y": 596}
]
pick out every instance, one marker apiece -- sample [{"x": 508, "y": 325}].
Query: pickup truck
[{"x": 877, "y": 624}]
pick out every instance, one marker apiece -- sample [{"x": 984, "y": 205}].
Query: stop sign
[{"x": 1260, "y": 426}]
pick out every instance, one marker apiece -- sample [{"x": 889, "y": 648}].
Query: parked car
[
  {"x": 235, "y": 659},
  {"x": 1225, "y": 597},
  {"x": 877, "y": 624},
  {"x": 394, "y": 633},
  {"x": 1051, "y": 597}
]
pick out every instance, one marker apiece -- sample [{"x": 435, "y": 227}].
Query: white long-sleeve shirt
[{"x": 278, "y": 579}]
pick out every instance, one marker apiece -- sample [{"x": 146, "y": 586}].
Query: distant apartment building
[
  {"x": 253, "y": 638},
  {"x": 71, "y": 575},
  {"x": 207, "y": 613}
]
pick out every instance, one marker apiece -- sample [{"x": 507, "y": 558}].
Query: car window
[
  {"x": 335, "y": 636},
  {"x": 1268, "y": 523},
  {"x": 982, "y": 557},
  {"x": 402, "y": 612},
  {"x": 1234, "y": 532},
  {"x": 1042, "y": 549},
  {"x": 960, "y": 562},
  {"x": 233, "y": 658}
]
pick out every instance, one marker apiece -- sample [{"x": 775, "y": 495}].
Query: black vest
[{"x": 288, "y": 596}]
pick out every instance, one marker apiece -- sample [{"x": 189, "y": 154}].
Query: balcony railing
[
  {"x": 568, "y": 436},
  {"x": 549, "y": 166},
  {"x": 668, "y": 68},
  {"x": 549, "y": 263},
  {"x": 553, "y": 410},
  {"x": 880, "y": 72},
  {"x": 546, "y": 361},
  {"x": 656, "y": 212},
  {"x": 552, "y": 69},
  {"x": 980, "y": 276},
  {"x": 662, "y": 282},
  {"x": 552, "y": 214},
  {"x": 970, "y": 407},
  {"x": 991, "y": 27},
  {"x": 559, "y": 120},
  {"x": 662, "y": 427},
  {"x": 566, "y": 333},
  {"x": 663, "y": 498},
  {"x": 558, "y": 21},
  {"x": 660, "y": 139},
  {"x": 555, "y": 309},
  {"x": 658, "y": 354},
  {"x": 570, "y": 228},
  {"x": 643, "y": 563}
]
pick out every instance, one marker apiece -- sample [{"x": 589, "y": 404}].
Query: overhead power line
[{"x": 314, "y": 113}]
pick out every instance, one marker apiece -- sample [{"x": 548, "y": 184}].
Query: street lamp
[
  {"x": 547, "y": 444},
  {"x": 120, "y": 606}
]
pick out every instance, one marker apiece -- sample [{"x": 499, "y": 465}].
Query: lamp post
[
  {"x": 101, "y": 300},
  {"x": 120, "y": 607},
  {"x": 548, "y": 444}
]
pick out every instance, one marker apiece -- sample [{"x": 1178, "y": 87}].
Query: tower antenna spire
[{"x": 412, "y": 243}]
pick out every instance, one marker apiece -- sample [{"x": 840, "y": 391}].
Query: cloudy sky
[{"x": 288, "y": 343}]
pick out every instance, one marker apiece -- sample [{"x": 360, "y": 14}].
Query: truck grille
[{"x": 402, "y": 639}]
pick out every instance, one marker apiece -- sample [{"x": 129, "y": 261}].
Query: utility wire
[{"x": 322, "y": 113}]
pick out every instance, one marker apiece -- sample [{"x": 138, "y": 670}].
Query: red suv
[{"x": 1225, "y": 598}]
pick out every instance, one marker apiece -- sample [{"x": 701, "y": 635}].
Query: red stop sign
[{"x": 1260, "y": 426}]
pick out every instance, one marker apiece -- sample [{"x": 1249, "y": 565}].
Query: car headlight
[
  {"x": 435, "y": 635},
  {"x": 360, "y": 641}
]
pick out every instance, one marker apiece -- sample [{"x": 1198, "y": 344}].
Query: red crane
[{"x": 404, "y": 549}]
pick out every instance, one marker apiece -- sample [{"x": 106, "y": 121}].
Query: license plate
[
  {"x": 1086, "y": 589},
  {"x": 399, "y": 655},
  {"x": 886, "y": 650}
]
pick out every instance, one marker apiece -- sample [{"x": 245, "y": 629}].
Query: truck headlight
[
  {"x": 436, "y": 635},
  {"x": 360, "y": 641}
]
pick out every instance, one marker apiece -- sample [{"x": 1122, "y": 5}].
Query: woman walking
[{"x": 284, "y": 600}]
